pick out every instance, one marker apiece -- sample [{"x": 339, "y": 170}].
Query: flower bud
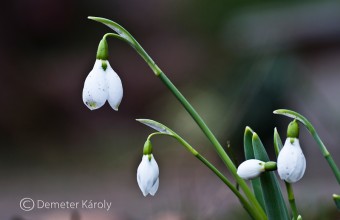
[
  {"x": 291, "y": 163},
  {"x": 250, "y": 169},
  {"x": 148, "y": 175}
]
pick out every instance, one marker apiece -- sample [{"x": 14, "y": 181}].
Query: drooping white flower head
[
  {"x": 291, "y": 163},
  {"x": 250, "y": 169},
  {"x": 102, "y": 84},
  {"x": 148, "y": 175}
]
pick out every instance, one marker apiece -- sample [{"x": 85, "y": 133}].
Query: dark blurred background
[{"x": 236, "y": 61}]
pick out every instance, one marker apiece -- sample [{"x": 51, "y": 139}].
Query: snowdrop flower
[
  {"x": 102, "y": 84},
  {"x": 147, "y": 175},
  {"x": 291, "y": 163},
  {"x": 250, "y": 169}
]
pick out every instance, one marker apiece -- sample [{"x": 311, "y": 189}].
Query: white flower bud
[
  {"x": 102, "y": 84},
  {"x": 291, "y": 163},
  {"x": 148, "y": 175},
  {"x": 250, "y": 169}
]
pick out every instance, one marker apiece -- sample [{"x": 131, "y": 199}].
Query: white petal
[
  {"x": 115, "y": 88},
  {"x": 142, "y": 188},
  {"x": 95, "y": 92},
  {"x": 291, "y": 163},
  {"x": 147, "y": 175},
  {"x": 250, "y": 169},
  {"x": 154, "y": 188}
]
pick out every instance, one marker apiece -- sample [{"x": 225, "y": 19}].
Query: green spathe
[
  {"x": 147, "y": 150},
  {"x": 103, "y": 50},
  {"x": 293, "y": 129}
]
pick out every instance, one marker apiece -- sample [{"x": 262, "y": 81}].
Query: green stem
[
  {"x": 225, "y": 158},
  {"x": 291, "y": 199},
  {"x": 218, "y": 147},
  {"x": 327, "y": 156},
  {"x": 316, "y": 137},
  {"x": 224, "y": 179},
  {"x": 115, "y": 36},
  {"x": 290, "y": 192}
]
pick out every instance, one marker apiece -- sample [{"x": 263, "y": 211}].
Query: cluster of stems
[{"x": 244, "y": 193}]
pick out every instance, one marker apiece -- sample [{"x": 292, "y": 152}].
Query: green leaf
[
  {"x": 248, "y": 145},
  {"x": 277, "y": 142},
  {"x": 295, "y": 115},
  {"x": 249, "y": 154},
  {"x": 114, "y": 26},
  {"x": 275, "y": 205},
  {"x": 336, "y": 199},
  {"x": 157, "y": 126}
]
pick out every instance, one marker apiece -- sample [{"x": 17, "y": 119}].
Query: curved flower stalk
[
  {"x": 312, "y": 131},
  {"x": 124, "y": 35},
  {"x": 163, "y": 130},
  {"x": 291, "y": 161}
]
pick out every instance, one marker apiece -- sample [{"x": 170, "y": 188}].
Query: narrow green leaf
[
  {"x": 277, "y": 142},
  {"x": 156, "y": 125},
  {"x": 114, "y": 26},
  {"x": 295, "y": 115},
  {"x": 249, "y": 154},
  {"x": 275, "y": 205},
  {"x": 336, "y": 199},
  {"x": 248, "y": 145}
]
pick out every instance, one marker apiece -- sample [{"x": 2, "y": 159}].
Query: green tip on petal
[
  {"x": 293, "y": 130},
  {"x": 104, "y": 65}
]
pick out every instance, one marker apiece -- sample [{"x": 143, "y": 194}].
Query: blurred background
[{"x": 236, "y": 61}]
